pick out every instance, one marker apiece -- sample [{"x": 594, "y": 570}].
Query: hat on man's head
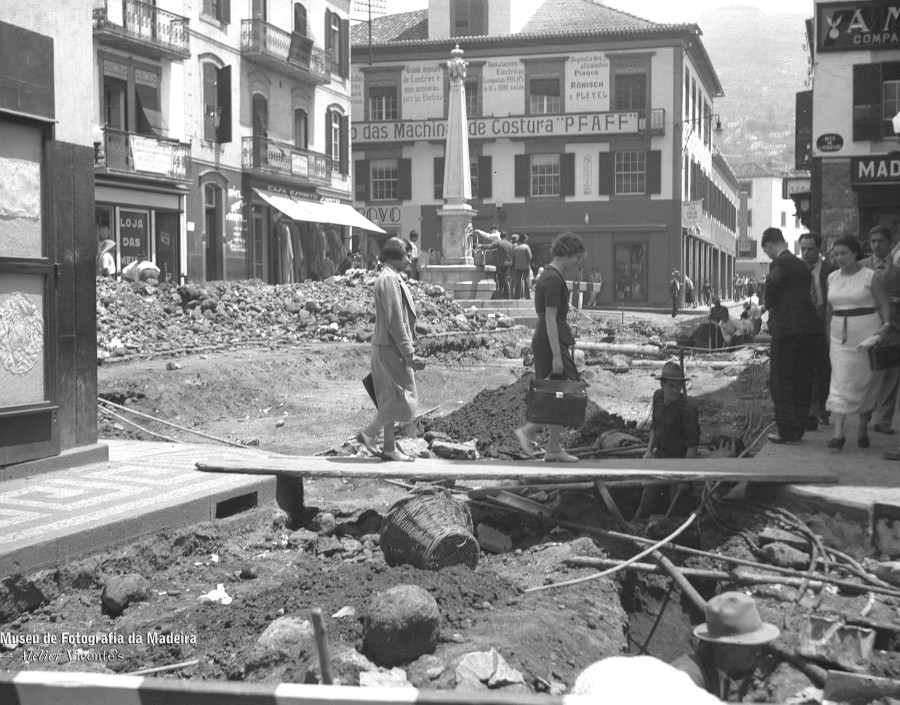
[
  {"x": 515, "y": 237},
  {"x": 107, "y": 246},
  {"x": 672, "y": 370},
  {"x": 716, "y": 300},
  {"x": 732, "y": 618},
  {"x": 413, "y": 234}
]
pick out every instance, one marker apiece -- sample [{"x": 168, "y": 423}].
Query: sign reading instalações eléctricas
[{"x": 571, "y": 125}]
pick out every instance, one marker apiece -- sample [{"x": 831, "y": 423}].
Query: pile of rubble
[{"x": 140, "y": 318}]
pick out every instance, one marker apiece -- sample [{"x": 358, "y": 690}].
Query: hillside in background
[{"x": 762, "y": 64}]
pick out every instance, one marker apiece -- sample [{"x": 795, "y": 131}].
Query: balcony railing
[
  {"x": 656, "y": 124},
  {"x": 138, "y": 26},
  {"x": 144, "y": 155},
  {"x": 276, "y": 157},
  {"x": 290, "y": 53}
]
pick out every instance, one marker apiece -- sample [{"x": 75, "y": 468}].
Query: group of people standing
[
  {"x": 824, "y": 314},
  {"x": 514, "y": 274}
]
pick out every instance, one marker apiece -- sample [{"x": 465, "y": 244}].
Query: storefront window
[{"x": 630, "y": 283}]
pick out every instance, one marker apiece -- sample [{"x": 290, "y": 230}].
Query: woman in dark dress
[{"x": 553, "y": 341}]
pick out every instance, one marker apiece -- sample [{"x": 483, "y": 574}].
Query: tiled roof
[
  {"x": 584, "y": 16},
  {"x": 403, "y": 26}
]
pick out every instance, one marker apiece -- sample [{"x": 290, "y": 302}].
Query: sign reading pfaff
[
  {"x": 492, "y": 128},
  {"x": 848, "y": 26},
  {"x": 872, "y": 170}
]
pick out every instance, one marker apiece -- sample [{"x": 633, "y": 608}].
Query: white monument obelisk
[{"x": 456, "y": 215}]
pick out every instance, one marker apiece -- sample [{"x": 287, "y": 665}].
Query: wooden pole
[{"x": 322, "y": 645}]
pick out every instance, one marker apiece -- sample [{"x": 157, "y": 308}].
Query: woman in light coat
[{"x": 393, "y": 361}]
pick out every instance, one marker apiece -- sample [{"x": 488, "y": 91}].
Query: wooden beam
[{"x": 729, "y": 470}]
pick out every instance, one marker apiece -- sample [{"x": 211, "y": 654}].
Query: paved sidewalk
[
  {"x": 865, "y": 478},
  {"x": 52, "y": 517}
]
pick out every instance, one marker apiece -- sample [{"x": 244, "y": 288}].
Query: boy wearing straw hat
[
  {"x": 730, "y": 646},
  {"x": 675, "y": 425}
]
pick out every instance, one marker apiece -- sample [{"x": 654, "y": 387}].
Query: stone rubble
[{"x": 140, "y": 318}]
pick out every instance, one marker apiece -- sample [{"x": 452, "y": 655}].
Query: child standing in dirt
[{"x": 393, "y": 356}]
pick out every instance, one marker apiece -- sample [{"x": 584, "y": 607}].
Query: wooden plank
[
  {"x": 732, "y": 470},
  {"x": 841, "y": 687}
]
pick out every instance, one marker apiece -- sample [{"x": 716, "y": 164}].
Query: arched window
[
  {"x": 336, "y": 127},
  {"x": 300, "y": 18}
]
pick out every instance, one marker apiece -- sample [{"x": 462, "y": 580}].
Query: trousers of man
[
  {"x": 520, "y": 284},
  {"x": 821, "y": 376},
  {"x": 791, "y": 372},
  {"x": 503, "y": 280},
  {"x": 883, "y": 414},
  {"x": 674, "y": 306}
]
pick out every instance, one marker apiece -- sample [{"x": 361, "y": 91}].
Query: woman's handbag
[
  {"x": 561, "y": 402},
  {"x": 884, "y": 355}
]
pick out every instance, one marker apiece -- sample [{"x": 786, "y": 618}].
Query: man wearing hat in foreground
[{"x": 730, "y": 646}]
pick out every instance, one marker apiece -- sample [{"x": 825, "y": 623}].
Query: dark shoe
[
  {"x": 836, "y": 443},
  {"x": 863, "y": 441},
  {"x": 883, "y": 428},
  {"x": 778, "y": 438}
]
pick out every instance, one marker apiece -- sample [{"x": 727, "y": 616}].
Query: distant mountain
[{"x": 762, "y": 64}]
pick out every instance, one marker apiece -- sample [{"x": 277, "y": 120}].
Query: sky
[{"x": 668, "y": 11}]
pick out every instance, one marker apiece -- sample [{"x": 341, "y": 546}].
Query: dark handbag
[
  {"x": 369, "y": 384},
  {"x": 561, "y": 402},
  {"x": 884, "y": 355}
]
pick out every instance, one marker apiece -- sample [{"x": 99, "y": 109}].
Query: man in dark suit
[
  {"x": 794, "y": 327},
  {"x": 880, "y": 261},
  {"x": 820, "y": 268}
]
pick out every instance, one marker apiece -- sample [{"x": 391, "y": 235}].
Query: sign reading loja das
[{"x": 572, "y": 124}]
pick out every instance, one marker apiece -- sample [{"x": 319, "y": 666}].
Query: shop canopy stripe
[{"x": 318, "y": 212}]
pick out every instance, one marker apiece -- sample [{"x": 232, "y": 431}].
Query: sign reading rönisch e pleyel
[
  {"x": 493, "y": 128},
  {"x": 873, "y": 170},
  {"x": 862, "y": 25}
]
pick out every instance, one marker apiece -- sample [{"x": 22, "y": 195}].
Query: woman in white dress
[{"x": 857, "y": 309}]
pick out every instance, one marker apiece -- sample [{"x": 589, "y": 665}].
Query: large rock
[
  {"x": 286, "y": 640},
  {"x": 122, "y": 590},
  {"x": 785, "y": 556},
  {"x": 400, "y": 625}
]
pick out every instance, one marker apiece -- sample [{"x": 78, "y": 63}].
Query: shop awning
[{"x": 318, "y": 212}]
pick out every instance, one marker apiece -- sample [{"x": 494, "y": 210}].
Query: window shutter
[
  {"x": 209, "y": 101},
  {"x": 361, "y": 179},
  {"x": 866, "y": 102},
  {"x": 439, "y": 178},
  {"x": 567, "y": 174},
  {"x": 607, "y": 180},
  {"x": 654, "y": 171},
  {"x": 522, "y": 176},
  {"x": 226, "y": 11},
  {"x": 328, "y": 30},
  {"x": 404, "y": 179},
  {"x": 345, "y": 48},
  {"x": 223, "y": 98},
  {"x": 485, "y": 177},
  {"x": 345, "y": 143}
]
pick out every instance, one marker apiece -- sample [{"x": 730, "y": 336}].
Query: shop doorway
[
  {"x": 212, "y": 196},
  {"x": 166, "y": 246}
]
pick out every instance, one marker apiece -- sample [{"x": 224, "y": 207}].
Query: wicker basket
[{"x": 429, "y": 529}]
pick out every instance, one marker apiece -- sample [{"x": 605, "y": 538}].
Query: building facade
[
  {"x": 767, "y": 205},
  {"x": 223, "y": 129},
  {"x": 606, "y": 130},
  {"x": 48, "y": 315},
  {"x": 855, "y": 171}
]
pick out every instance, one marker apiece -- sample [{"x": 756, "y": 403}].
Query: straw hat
[
  {"x": 672, "y": 370},
  {"x": 106, "y": 246},
  {"x": 732, "y": 618}
]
